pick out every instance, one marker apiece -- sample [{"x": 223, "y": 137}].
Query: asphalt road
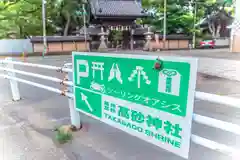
[
  {"x": 227, "y": 64},
  {"x": 222, "y": 53},
  {"x": 26, "y": 126}
]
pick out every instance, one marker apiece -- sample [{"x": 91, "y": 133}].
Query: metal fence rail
[
  {"x": 38, "y": 85},
  {"x": 69, "y": 83},
  {"x": 226, "y": 126},
  {"x": 8, "y": 66},
  {"x": 225, "y": 100},
  {"x": 230, "y": 151},
  {"x": 58, "y": 69}
]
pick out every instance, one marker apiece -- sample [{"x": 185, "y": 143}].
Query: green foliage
[
  {"x": 21, "y": 17},
  {"x": 66, "y": 14},
  {"x": 206, "y": 37},
  {"x": 117, "y": 35},
  {"x": 62, "y": 136},
  {"x": 180, "y": 14},
  {"x": 24, "y": 17},
  {"x": 179, "y": 17}
]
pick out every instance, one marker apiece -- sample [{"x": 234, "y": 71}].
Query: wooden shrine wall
[{"x": 60, "y": 44}]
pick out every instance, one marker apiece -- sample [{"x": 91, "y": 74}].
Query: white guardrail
[{"x": 7, "y": 66}]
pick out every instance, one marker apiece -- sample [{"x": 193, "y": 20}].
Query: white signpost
[{"x": 125, "y": 92}]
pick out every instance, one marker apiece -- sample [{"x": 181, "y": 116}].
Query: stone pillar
[
  {"x": 235, "y": 32},
  {"x": 148, "y": 37},
  {"x": 102, "y": 46},
  {"x": 132, "y": 40},
  {"x": 156, "y": 36},
  {"x": 106, "y": 37}
]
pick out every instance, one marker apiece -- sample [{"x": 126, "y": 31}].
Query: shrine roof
[{"x": 117, "y": 8}]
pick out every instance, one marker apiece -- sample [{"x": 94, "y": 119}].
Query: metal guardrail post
[
  {"x": 74, "y": 114},
  {"x": 13, "y": 83}
]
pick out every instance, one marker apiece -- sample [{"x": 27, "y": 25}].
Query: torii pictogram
[{"x": 98, "y": 66}]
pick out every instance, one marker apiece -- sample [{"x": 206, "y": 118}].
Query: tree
[
  {"x": 180, "y": 17},
  {"x": 217, "y": 17},
  {"x": 24, "y": 17},
  {"x": 65, "y": 14}
]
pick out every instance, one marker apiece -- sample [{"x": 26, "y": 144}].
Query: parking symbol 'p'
[{"x": 80, "y": 73}]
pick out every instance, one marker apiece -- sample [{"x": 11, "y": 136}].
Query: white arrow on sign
[{"x": 84, "y": 98}]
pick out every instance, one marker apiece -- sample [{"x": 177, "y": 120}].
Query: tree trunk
[
  {"x": 214, "y": 30},
  {"x": 218, "y": 31},
  {"x": 20, "y": 31},
  {"x": 211, "y": 28},
  {"x": 67, "y": 25}
]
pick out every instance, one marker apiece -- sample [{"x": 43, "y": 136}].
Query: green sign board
[{"x": 129, "y": 93}]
